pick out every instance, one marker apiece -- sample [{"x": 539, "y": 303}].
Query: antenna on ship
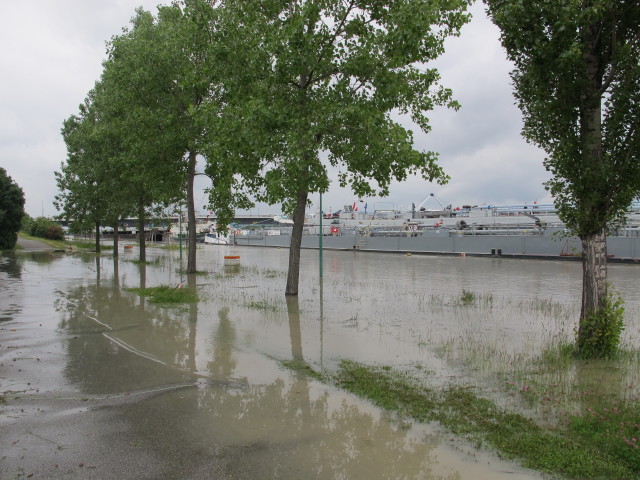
[{"x": 432, "y": 195}]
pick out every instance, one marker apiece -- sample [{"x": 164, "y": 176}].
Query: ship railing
[{"x": 497, "y": 232}]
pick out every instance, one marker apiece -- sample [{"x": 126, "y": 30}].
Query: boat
[
  {"x": 533, "y": 231},
  {"x": 215, "y": 239}
]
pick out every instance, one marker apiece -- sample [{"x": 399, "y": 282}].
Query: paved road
[{"x": 33, "y": 245}]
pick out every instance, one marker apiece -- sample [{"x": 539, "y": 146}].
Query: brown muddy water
[{"x": 101, "y": 383}]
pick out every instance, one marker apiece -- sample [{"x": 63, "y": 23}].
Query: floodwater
[{"x": 100, "y": 383}]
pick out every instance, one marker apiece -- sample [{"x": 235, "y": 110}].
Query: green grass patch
[
  {"x": 614, "y": 429},
  {"x": 167, "y": 294},
  {"x": 467, "y": 297},
  {"x": 575, "y": 450},
  {"x": 183, "y": 271}
]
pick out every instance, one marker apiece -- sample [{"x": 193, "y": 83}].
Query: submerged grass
[
  {"x": 263, "y": 305},
  {"x": 167, "y": 294},
  {"x": 580, "y": 448},
  {"x": 301, "y": 366}
]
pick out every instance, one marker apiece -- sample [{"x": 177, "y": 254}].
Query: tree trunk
[
  {"x": 142, "y": 269},
  {"x": 116, "y": 239},
  {"x": 141, "y": 222},
  {"x": 293, "y": 275},
  {"x": 191, "y": 214},
  {"x": 293, "y": 311},
  {"x": 594, "y": 280},
  {"x": 193, "y": 324},
  {"x": 97, "y": 237},
  {"x": 592, "y": 214}
]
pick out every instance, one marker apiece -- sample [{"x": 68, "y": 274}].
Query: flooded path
[{"x": 100, "y": 383}]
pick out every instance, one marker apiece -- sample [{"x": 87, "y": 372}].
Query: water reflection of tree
[
  {"x": 10, "y": 290},
  {"x": 223, "y": 363},
  {"x": 285, "y": 429},
  {"x": 193, "y": 324},
  {"x": 102, "y": 320},
  {"x": 40, "y": 258},
  {"x": 10, "y": 265},
  {"x": 275, "y": 431},
  {"x": 142, "y": 275}
]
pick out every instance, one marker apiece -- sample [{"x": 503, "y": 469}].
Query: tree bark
[
  {"x": 97, "y": 237},
  {"x": 116, "y": 239},
  {"x": 293, "y": 275},
  {"x": 191, "y": 214},
  {"x": 293, "y": 311},
  {"x": 141, "y": 222},
  {"x": 594, "y": 280}
]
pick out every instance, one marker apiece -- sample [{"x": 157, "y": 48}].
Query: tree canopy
[
  {"x": 577, "y": 83},
  {"x": 329, "y": 81},
  {"x": 273, "y": 95},
  {"x": 577, "y": 80}
]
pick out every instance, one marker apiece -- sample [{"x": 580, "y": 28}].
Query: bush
[
  {"x": 54, "y": 232},
  {"x": 43, "y": 228},
  {"x": 27, "y": 221},
  {"x": 599, "y": 333},
  {"x": 11, "y": 210}
]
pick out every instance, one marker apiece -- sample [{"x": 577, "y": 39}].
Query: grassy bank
[
  {"x": 57, "y": 244},
  {"x": 601, "y": 444},
  {"x": 63, "y": 244}
]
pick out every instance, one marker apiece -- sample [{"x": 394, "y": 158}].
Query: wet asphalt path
[{"x": 33, "y": 245}]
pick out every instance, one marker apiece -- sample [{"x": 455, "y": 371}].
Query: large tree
[
  {"x": 137, "y": 108},
  {"x": 173, "y": 58},
  {"x": 330, "y": 79},
  {"x": 90, "y": 186},
  {"x": 577, "y": 82},
  {"x": 189, "y": 33},
  {"x": 11, "y": 210}
]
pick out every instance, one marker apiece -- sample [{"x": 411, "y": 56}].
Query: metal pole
[
  {"x": 321, "y": 321},
  {"x": 320, "y": 240},
  {"x": 180, "y": 237}
]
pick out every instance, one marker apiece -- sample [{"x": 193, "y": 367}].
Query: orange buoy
[{"x": 232, "y": 260}]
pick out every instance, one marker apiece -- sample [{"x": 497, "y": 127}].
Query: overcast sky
[{"x": 51, "y": 57}]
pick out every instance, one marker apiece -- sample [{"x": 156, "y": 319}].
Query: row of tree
[{"x": 262, "y": 91}]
